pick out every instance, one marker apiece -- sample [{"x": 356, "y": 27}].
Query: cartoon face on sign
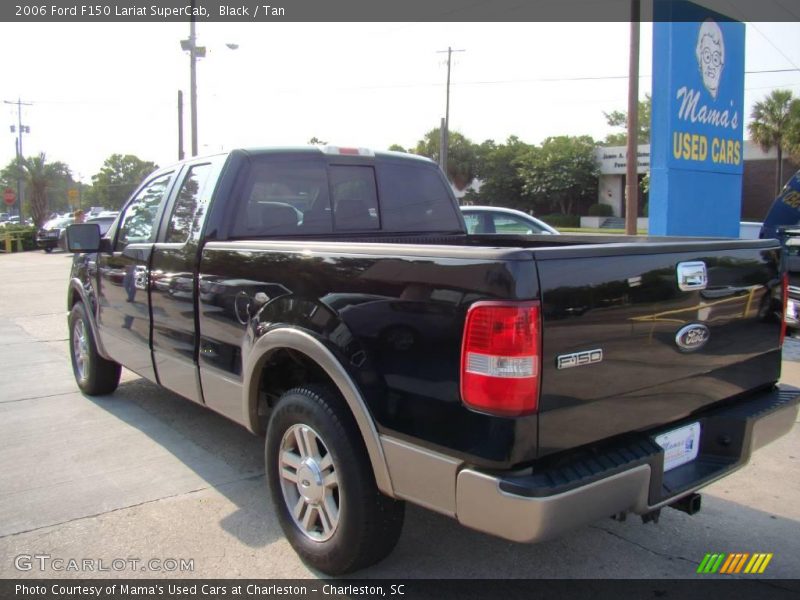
[{"x": 710, "y": 52}]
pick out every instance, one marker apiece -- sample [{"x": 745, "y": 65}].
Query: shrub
[
  {"x": 559, "y": 220},
  {"x": 600, "y": 210}
]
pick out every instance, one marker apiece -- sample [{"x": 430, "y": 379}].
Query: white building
[{"x": 613, "y": 164}]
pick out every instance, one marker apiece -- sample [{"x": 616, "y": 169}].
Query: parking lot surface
[{"x": 146, "y": 477}]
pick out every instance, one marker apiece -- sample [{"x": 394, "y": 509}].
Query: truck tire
[
  {"x": 94, "y": 374},
  {"x": 323, "y": 487},
  {"x": 48, "y": 249}
]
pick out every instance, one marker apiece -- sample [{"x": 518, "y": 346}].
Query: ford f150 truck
[{"x": 523, "y": 385}]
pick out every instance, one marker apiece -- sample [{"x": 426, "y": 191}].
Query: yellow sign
[{"x": 72, "y": 194}]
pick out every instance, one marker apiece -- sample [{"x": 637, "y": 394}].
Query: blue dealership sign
[{"x": 697, "y": 153}]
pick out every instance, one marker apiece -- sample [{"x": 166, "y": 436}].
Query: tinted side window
[
  {"x": 355, "y": 198},
  {"x": 415, "y": 198},
  {"x": 472, "y": 221},
  {"x": 514, "y": 225},
  {"x": 283, "y": 198},
  {"x": 138, "y": 223},
  {"x": 189, "y": 205}
]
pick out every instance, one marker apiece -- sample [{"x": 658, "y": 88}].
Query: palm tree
[
  {"x": 40, "y": 176},
  {"x": 773, "y": 120},
  {"x": 461, "y": 156}
]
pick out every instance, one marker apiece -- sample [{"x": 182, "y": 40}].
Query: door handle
[{"x": 692, "y": 276}]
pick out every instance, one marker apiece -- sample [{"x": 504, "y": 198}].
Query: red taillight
[
  {"x": 500, "y": 358},
  {"x": 784, "y": 301}
]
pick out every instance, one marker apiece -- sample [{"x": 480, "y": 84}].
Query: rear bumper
[{"x": 628, "y": 477}]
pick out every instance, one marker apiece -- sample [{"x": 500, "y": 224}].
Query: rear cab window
[
  {"x": 415, "y": 197},
  {"x": 282, "y": 196},
  {"x": 301, "y": 194}
]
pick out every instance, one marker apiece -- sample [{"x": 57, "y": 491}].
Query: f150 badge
[
  {"x": 692, "y": 337},
  {"x": 579, "y": 359}
]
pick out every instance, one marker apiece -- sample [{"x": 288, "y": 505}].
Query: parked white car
[{"x": 496, "y": 219}]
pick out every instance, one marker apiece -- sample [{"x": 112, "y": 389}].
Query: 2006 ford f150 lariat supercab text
[{"x": 523, "y": 385}]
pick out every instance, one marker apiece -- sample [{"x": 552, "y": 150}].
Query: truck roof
[
  {"x": 310, "y": 150},
  {"x": 333, "y": 151}
]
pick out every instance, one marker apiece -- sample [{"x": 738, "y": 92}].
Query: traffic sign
[
  {"x": 72, "y": 194},
  {"x": 9, "y": 196}
]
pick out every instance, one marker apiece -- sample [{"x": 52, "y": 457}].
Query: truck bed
[{"x": 403, "y": 300}]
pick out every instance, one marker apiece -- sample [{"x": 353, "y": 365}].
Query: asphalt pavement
[{"x": 156, "y": 485}]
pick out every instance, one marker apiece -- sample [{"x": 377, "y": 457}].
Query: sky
[{"x": 104, "y": 88}]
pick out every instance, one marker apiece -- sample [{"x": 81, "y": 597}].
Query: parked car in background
[
  {"x": 104, "y": 220},
  {"x": 496, "y": 219},
  {"x": 792, "y": 259},
  {"x": 95, "y": 211},
  {"x": 48, "y": 236}
]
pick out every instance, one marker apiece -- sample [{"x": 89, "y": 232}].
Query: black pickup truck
[{"x": 523, "y": 385}]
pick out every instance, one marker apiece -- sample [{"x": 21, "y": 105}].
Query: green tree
[
  {"x": 117, "y": 179},
  {"x": 41, "y": 179},
  {"x": 315, "y": 141},
  {"x": 397, "y": 148},
  {"x": 498, "y": 171},
  {"x": 461, "y": 156},
  {"x": 776, "y": 124},
  {"x": 619, "y": 118},
  {"x": 561, "y": 172}
]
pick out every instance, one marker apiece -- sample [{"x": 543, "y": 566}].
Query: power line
[
  {"x": 772, "y": 87},
  {"x": 170, "y": 102},
  {"x": 772, "y": 71},
  {"x": 771, "y": 43}
]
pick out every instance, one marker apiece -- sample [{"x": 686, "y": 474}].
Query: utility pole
[
  {"x": 20, "y": 130},
  {"x": 632, "y": 171},
  {"x": 193, "y": 79},
  {"x": 180, "y": 125},
  {"x": 195, "y": 52},
  {"x": 445, "y": 137}
]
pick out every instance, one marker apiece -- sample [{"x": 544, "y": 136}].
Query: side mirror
[{"x": 83, "y": 237}]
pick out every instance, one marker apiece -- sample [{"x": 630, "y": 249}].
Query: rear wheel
[
  {"x": 322, "y": 484},
  {"x": 94, "y": 374},
  {"x": 48, "y": 249}
]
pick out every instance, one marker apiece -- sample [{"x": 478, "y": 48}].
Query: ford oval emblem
[{"x": 692, "y": 337}]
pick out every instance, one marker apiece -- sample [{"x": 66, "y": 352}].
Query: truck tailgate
[{"x": 625, "y": 349}]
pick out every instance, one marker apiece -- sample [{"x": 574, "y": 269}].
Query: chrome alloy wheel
[
  {"x": 80, "y": 349},
  {"x": 309, "y": 482}
]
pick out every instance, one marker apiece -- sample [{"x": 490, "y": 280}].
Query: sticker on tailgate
[{"x": 680, "y": 445}]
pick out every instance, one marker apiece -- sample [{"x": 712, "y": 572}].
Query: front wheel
[
  {"x": 323, "y": 487},
  {"x": 48, "y": 249},
  {"x": 94, "y": 374}
]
